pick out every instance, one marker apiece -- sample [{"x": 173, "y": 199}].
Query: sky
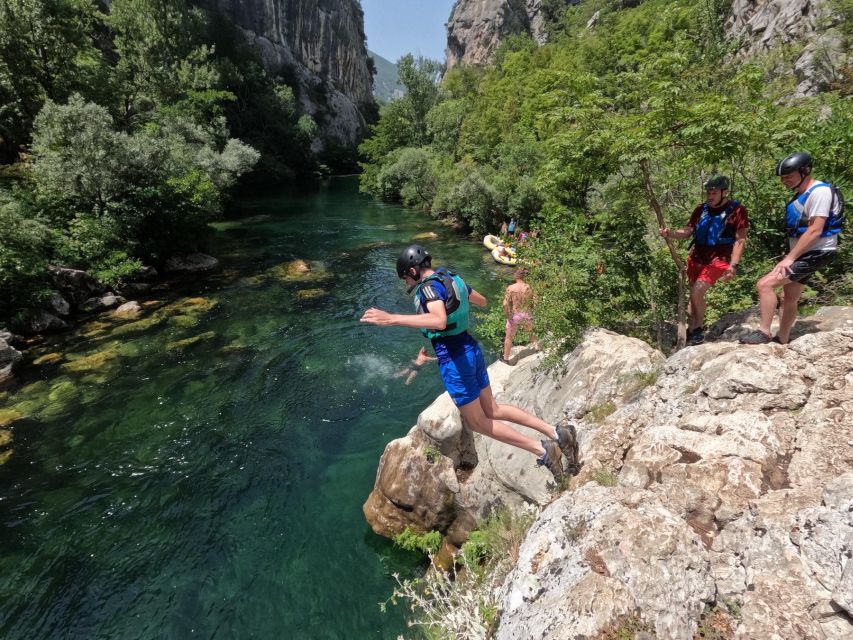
[{"x": 397, "y": 27}]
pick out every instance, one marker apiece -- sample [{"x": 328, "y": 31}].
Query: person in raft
[
  {"x": 441, "y": 302},
  {"x": 718, "y": 227},
  {"x": 518, "y": 306},
  {"x": 813, "y": 217}
]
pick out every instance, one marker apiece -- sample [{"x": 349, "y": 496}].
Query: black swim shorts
[{"x": 805, "y": 266}]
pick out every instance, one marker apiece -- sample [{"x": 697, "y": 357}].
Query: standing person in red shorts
[{"x": 718, "y": 227}]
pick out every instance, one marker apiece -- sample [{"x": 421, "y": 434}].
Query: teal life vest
[
  {"x": 711, "y": 229},
  {"x": 797, "y": 222},
  {"x": 456, "y": 305}
]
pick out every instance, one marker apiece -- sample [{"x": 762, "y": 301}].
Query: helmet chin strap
[
  {"x": 804, "y": 173},
  {"x": 417, "y": 278}
]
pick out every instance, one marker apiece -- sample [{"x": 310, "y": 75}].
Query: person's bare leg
[
  {"x": 788, "y": 316},
  {"x": 492, "y": 410},
  {"x": 767, "y": 299},
  {"x": 472, "y": 414},
  {"x": 697, "y": 304},
  {"x": 510, "y": 334}
]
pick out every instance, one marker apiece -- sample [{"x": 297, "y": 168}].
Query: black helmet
[
  {"x": 718, "y": 182},
  {"x": 413, "y": 256},
  {"x": 800, "y": 161}
]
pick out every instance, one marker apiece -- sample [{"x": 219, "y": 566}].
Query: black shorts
[{"x": 807, "y": 264}]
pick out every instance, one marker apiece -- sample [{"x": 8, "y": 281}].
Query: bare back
[{"x": 518, "y": 298}]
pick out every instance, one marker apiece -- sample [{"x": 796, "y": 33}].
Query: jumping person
[
  {"x": 518, "y": 307},
  {"x": 813, "y": 218},
  {"x": 718, "y": 227},
  {"x": 441, "y": 302}
]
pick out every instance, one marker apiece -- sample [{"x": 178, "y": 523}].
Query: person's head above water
[{"x": 411, "y": 260}]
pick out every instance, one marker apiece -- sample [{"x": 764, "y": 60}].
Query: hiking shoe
[
  {"x": 567, "y": 438},
  {"x": 505, "y": 361},
  {"x": 697, "y": 336},
  {"x": 777, "y": 340},
  {"x": 552, "y": 458},
  {"x": 755, "y": 337}
]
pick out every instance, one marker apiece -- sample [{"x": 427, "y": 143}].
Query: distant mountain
[{"x": 385, "y": 83}]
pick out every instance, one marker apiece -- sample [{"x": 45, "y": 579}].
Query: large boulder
[
  {"x": 488, "y": 473},
  {"x": 9, "y": 357},
  {"x": 74, "y": 285}
]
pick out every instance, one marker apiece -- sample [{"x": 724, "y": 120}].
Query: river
[{"x": 199, "y": 471}]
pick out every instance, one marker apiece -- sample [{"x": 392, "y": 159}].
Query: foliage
[
  {"x": 427, "y": 543},
  {"x": 46, "y": 53},
  {"x": 497, "y": 538},
  {"x": 23, "y": 244},
  {"x": 599, "y": 412},
  {"x": 604, "y": 477},
  {"x": 464, "y": 605},
  {"x": 432, "y": 454},
  {"x": 558, "y": 136}
]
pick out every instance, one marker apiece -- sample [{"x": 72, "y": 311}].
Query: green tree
[{"x": 46, "y": 53}]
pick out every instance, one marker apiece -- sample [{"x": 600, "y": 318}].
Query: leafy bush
[
  {"x": 427, "y": 543},
  {"x": 25, "y": 243}
]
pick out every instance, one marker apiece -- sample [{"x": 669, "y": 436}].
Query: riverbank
[{"x": 714, "y": 494}]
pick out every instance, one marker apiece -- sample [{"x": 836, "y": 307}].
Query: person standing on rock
[
  {"x": 518, "y": 307},
  {"x": 718, "y": 227},
  {"x": 441, "y": 302},
  {"x": 813, "y": 219}
]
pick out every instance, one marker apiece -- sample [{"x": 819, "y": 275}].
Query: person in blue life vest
[
  {"x": 813, "y": 219},
  {"x": 718, "y": 226},
  {"x": 441, "y": 303}
]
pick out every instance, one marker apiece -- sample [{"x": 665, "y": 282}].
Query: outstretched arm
[
  {"x": 477, "y": 298},
  {"x": 677, "y": 234},
  {"x": 435, "y": 318}
]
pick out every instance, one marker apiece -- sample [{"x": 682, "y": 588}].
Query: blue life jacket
[
  {"x": 711, "y": 229},
  {"x": 456, "y": 305},
  {"x": 797, "y": 222}
]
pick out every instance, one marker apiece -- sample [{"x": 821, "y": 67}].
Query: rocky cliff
[
  {"x": 762, "y": 25},
  {"x": 477, "y": 27},
  {"x": 717, "y": 487},
  {"x": 319, "y": 43}
]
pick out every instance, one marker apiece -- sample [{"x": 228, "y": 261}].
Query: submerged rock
[
  {"x": 130, "y": 309},
  {"x": 193, "y": 263},
  {"x": 48, "y": 358},
  {"x": 311, "y": 294},
  {"x": 93, "y": 362},
  {"x": 177, "y": 345},
  {"x": 8, "y": 416},
  {"x": 299, "y": 271}
]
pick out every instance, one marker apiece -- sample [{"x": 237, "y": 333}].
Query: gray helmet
[
  {"x": 718, "y": 182},
  {"x": 800, "y": 161},
  {"x": 412, "y": 256}
]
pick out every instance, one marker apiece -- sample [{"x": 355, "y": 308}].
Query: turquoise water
[{"x": 200, "y": 471}]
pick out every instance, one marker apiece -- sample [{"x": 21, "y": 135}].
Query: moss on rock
[{"x": 177, "y": 345}]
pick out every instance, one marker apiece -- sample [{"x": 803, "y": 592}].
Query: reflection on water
[{"x": 200, "y": 469}]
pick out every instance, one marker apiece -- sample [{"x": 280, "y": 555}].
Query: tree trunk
[{"x": 681, "y": 312}]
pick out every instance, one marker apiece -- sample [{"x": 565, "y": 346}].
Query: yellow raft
[
  {"x": 504, "y": 255},
  {"x": 491, "y": 242}
]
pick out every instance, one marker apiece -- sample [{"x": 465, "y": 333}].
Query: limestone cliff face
[
  {"x": 476, "y": 28},
  {"x": 721, "y": 480},
  {"x": 320, "y": 43},
  {"x": 761, "y": 25}
]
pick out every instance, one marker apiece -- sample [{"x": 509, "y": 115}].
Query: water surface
[{"x": 199, "y": 471}]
